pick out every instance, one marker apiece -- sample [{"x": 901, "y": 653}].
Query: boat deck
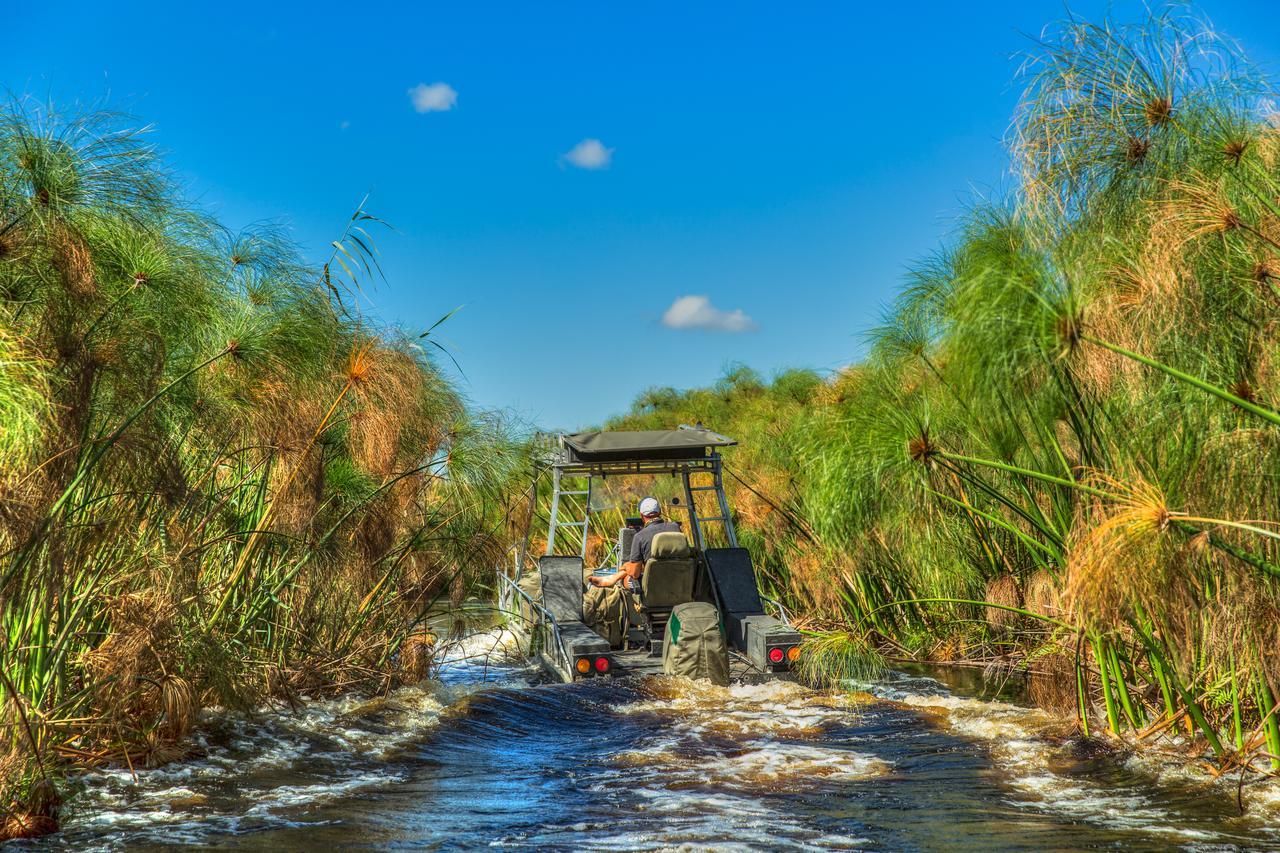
[{"x": 639, "y": 662}]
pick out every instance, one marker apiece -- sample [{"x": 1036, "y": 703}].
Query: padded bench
[{"x": 562, "y": 597}]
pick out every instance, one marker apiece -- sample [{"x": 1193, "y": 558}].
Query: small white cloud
[
  {"x": 433, "y": 98},
  {"x": 589, "y": 154},
  {"x": 343, "y": 125},
  {"x": 697, "y": 312}
]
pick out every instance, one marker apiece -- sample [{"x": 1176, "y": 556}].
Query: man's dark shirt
[{"x": 642, "y": 544}]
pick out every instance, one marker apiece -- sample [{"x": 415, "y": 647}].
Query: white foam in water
[
  {"x": 286, "y": 796},
  {"x": 182, "y": 801},
  {"x": 707, "y": 779},
  {"x": 713, "y": 776},
  {"x": 1013, "y": 735}
]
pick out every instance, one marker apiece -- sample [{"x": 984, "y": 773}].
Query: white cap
[{"x": 650, "y": 506}]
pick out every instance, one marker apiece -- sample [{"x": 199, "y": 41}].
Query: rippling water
[{"x": 490, "y": 757}]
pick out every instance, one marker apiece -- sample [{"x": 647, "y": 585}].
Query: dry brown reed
[
  {"x": 1113, "y": 556},
  {"x": 1043, "y": 595},
  {"x": 1051, "y": 682},
  {"x": 1005, "y": 591},
  {"x": 417, "y": 654}
]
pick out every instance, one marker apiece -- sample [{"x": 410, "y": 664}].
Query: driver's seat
[{"x": 669, "y": 579}]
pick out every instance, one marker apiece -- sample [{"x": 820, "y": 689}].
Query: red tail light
[
  {"x": 602, "y": 664},
  {"x": 776, "y": 655}
]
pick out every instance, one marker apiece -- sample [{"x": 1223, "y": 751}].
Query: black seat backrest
[
  {"x": 562, "y": 587},
  {"x": 735, "y": 580},
  {"x": 626, "y": 536}
]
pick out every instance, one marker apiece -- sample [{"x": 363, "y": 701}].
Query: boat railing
[
  {"x": 783, "y": 616},
  {"x": 509, "y": 592}
]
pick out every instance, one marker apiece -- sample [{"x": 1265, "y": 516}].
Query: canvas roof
[{"x": 643, "y": 445}]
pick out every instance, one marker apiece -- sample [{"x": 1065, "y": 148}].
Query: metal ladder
[
  {"x": 697, "y": 521},
  {"x": 556, "y": 523}
]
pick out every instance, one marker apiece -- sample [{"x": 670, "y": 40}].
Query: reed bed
[
  {"x": 220, "y": 484},
  {"x": 1061, "y": 452}
]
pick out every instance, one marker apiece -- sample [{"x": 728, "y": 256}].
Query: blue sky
[{"x": 786, "y": 161}]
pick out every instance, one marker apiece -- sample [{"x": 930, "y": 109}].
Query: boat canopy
[{"x": 652, "y": 445}]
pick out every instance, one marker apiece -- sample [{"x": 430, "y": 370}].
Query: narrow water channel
[{"x": 492, "y": 758}]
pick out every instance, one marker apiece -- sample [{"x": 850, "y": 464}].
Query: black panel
[
  {"x": 562, "y": 587},
  {"x": 625, "y": 537},
  {"x": 735, "y": 580}
]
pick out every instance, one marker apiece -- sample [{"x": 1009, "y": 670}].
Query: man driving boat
[{"x": 641, "y": 547}]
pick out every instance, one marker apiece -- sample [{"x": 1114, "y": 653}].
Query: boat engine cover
[{"x": 694, "y": 646}]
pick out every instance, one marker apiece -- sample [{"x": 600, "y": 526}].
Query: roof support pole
[
  {"x": 730, "y": 533},
  {"x": 586, "y": 516},
  {"x": 695, "y": 528},
  {"x": 555, "y": 510}
]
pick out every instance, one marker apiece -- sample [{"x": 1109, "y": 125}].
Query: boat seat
[
  {"x": 670, "y": 573},
  {"x": 735, "y": 582},
  {"x": 562, "y": 587},
  {"x": 669, "y": 578}
]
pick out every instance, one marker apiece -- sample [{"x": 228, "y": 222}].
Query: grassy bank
[
  {"x": 1061, "y": 451},
  {"x": 218, "y": 481}
]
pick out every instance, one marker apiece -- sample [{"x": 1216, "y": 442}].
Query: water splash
[{"x": 487, "y": 756}]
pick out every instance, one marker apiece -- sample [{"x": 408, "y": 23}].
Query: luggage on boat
[
  {"x": 694, "y": 646},
  {"x": 604, "y": 610}
]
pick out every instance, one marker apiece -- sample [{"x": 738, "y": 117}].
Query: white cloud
[
  {"x": 590, "y": 154},
  {"x": 343, "y": 125},
  {"x": 697, "y": 312},
  {"x": 433, "y": 98}
]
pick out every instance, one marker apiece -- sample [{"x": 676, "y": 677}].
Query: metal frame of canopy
[{"x": 696, "y": 458}]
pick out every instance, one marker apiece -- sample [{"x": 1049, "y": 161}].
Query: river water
[{"x": 490, "y": 757}]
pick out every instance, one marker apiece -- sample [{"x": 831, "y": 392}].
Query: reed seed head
[
  {"x": 1068, "y": 328},
  {"x": 1264, "y": 272},
  {"x": 1136, "y": 150},
  {"x": 920, "y": 449},
  {"x": 1234, "y": 149},
  {"x": 1158, "y": 111},
  {"x": 1244, "y": 391},
  {"x": 360, "y": 365}
]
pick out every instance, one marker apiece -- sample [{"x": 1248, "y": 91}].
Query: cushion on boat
[{"x": 670, "y": 574}]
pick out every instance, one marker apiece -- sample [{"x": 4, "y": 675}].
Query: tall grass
[
  {"x": 219, "y": 483},
  {"x": 1063, "y": 445}
]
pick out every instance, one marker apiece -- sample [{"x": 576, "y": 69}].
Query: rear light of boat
[
  {"x": 583, "y": 666},
  {"x": 602, "y": 665},
  {"x": 776, "y": 654},
  {"x": 793, "y": 654}
]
